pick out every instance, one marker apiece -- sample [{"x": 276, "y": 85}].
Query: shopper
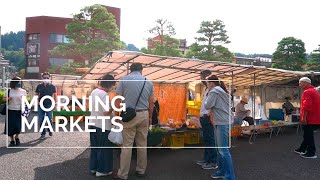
[
  {"x": 309, "y": 117},
  {"x": 209, "y": 160},
  {"x": 46, "y": 88},
  {"x": 101, "y": 159},
  {"x": 138, "y": 93},
  {"x": 14, "y": 97},
  {"x": 218, "y": 101}
]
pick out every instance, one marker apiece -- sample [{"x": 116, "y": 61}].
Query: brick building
[
  {"x": 43, "y": 33},
  {"x": 182, "y": 43}
]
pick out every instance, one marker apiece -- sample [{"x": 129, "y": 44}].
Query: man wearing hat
[
  {"x": 242, "y": 113},
  {"x": 309, "y": 117}
]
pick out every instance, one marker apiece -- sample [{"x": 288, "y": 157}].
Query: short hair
[
  {"x": 45, "y": 73},
  {"x": 136, "y": 67},
  {"x": 205, "y": 72},
  {"x": 107, "y": 81},
  {"x": 14, "y": 81}
]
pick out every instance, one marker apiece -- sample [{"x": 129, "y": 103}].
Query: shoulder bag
[{"x": 130, "y": 113}]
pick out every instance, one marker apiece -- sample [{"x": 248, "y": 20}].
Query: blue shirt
[{"x": 130, "y": 87}]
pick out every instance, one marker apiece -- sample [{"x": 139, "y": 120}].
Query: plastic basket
[
  {"x": 175, "y": 141},
  {"x": 192, "y": 138}
]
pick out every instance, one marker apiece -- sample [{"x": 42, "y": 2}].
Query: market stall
[{"x": 177, "y": 72}]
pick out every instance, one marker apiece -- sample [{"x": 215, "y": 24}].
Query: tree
[
  {"x": 314, "y": 63},
  {"x": 70, "y": 68},
  {"x": 13, "y": 41},
  {"x": 290, "y": 54},
  {"x": 132, "y": 47},
  {"x": 162, "y": 43},
  {"x": 209, "y": 45},
  {"x": 92, "y": 33},
  {"x": 16, "y": 58}
]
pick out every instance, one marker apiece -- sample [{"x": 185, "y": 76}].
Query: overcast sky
[{"x": 254, "y": 26}]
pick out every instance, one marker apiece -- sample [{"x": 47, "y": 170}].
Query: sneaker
[
  {"x": 17, "y": 141},
  {"x": 209, "y": 166},
  {"x": 308, "y": 156},
  {"x": 99, "y": 174},
  {"x": 298, "y": 151},
  {"x": 140, "y": 175},
  {"x": 217, "y": 175},
  {"x": 50, "y": 134},
  {"x": 201, "y": 162},
  {"x": 42, "y": 136},
  {"x": 12, "y": 143}
]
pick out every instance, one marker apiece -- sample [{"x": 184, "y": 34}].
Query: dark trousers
[
  {"x": 101, "y": 159},
  {"x": 210, "y": 153},
  {"x": 308, "y": 139},
  {"x": 249, "y": 120},
  {"x": 14, "y": 122}
]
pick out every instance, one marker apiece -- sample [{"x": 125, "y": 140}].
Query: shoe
[
  {"x": 17, "y": 141},
  {"x": 12, "y": 143},
  {"x": 299, "y": 151},
  {"x": 117, "y": 177},
  {"x": 208, "y": 166},
  {"x": 140, "y": 175},
  {"x": 50, "y": 134},
  {"x": 42, "y": 136},
  {"x": 99, "y": 174},
  {"x": 217, "y": 175},
  {"x": 201, "y": 162},
  {"x": 308, "y": 156},
  {"x": 93, "y": 172}
]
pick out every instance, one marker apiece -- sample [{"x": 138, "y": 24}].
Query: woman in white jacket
[{"x": 218, "y": 101}]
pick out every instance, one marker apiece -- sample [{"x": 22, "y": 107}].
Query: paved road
[{"x": 261, "y": 160}]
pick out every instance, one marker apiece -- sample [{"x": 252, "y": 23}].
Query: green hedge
[{"x": 70, "y": 113}]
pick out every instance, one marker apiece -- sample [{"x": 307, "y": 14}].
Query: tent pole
[
  {"x": 127, "y": 68},
  {"x": 253, "y": 106}
]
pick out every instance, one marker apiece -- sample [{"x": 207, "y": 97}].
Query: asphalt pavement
[{"x": 264, "y": 159}]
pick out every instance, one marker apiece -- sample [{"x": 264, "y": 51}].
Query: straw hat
[{"x": 244, "y": 99}]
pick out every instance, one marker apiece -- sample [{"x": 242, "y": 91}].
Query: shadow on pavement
[{"x": 15, "y": 149}]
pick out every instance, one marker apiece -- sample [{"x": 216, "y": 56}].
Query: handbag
[
  {"x": 3, "y": 107},
  {"x": 130, "y": 113},
  {"x": 115, "y": 137}
]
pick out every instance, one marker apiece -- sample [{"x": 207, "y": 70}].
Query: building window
[
  {"x": 58, "y": 38},
  {"x": 33, "y": 60},
  {"x": 59, "y": 61},
  {"x": 33, "y": 37}
]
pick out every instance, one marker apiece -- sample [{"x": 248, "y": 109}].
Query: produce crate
[
  {"x": 192, "y": 138},
  {"x": 155, "y": 138},
  {"x": 175, "y": 141}
]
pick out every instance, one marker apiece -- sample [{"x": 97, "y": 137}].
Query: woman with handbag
[
  {"x": 14, "y": 97},
  {"x": 101, "y": 155}
]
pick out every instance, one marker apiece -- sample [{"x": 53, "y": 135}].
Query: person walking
[
  {"x": 101, "y": 153},
  {"x": 218, "y": 101},
  {"x": 209, "y": 160},
  {"x": 309, "y": 117},
  {"x": 45, "y": 89},
  {"x": 14, "y": 97},
  {"x": 138, "y": 93}
]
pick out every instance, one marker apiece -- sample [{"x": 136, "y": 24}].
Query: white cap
[{"x": 305, "y": 79}]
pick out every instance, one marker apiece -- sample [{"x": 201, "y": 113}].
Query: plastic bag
[{"x": 115, "y": 137}]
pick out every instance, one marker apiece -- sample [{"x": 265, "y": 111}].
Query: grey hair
[{"x": 318, "y": 88}]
